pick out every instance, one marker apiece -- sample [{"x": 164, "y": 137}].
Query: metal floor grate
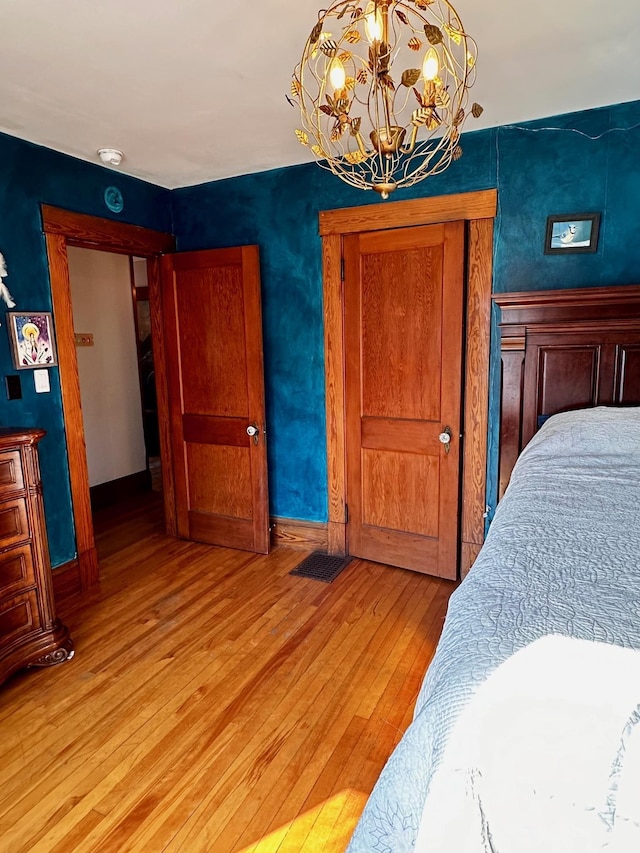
[{"x": 321, "y": 567}]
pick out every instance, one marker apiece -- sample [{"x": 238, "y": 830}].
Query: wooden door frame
[
  {"x": 478, "y": 209},
  {"x": 64, "y": 228}
]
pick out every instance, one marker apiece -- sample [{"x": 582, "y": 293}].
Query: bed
[{"x": 526, "y": 731}]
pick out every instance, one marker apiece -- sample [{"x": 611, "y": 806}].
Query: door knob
[
  {"x": 253, "y": 432},
  {"x": 445, "y": 438}
]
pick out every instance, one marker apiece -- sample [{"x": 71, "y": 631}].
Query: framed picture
[
  {"x": 570, "y": 233},
  {"x": 32, "y": 340}
]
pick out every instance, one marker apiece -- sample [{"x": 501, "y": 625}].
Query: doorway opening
[
  {"x": 118, "y": 437},
  {"x": 114, "y": 351},
  {"x": 65, "y": 230}
]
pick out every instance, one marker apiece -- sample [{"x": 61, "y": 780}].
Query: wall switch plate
[
  {"x": 14, "y": 387},
  {"x": 41, "y": 380},
  {"x": 84, "y": 339}
]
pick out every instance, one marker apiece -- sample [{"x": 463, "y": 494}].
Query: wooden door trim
[
  {"x": 162, "y": 393},
  {"x": 479, "y": 210},
  {"x": 94, "y": 232},
  {"x": 402, "y": 214},
  {"x": 63, "y": 228}
]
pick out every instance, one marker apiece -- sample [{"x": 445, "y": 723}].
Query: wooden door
[
  {"x": 213, "y": 330},
  {"x": 403, "y": 341}
]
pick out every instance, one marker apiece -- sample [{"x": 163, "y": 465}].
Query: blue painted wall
[
  {"x": 30, "y": 175},
  {"x": 536, "y": 169},
  {"x": 278, "y": 210},
  {"x": 572, "y": 163}
]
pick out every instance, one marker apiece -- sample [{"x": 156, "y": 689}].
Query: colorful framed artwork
[
  {"x": 32, "y": 339},
  {"x": 570, "y": 233}
]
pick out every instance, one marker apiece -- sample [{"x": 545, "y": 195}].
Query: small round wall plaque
[{"x": 113, "y": 199}]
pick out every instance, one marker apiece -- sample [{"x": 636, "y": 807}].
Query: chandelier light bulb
[
  {"x": 337, "y": 75},
  {"x": 364, "y": 114},
  {"x": 431, "y": 65},
  {"x": 373, "y": 23}
]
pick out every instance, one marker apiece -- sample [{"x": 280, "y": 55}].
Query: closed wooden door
[
  {"x": 213, "y": 330},
  {"x": 403, "y": 340}
]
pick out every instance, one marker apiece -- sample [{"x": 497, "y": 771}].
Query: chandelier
[{"x": 382, "y": 89}]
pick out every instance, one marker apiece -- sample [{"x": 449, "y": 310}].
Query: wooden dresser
[{"x": 30, "y": 633}]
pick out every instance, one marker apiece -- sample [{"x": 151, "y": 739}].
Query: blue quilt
[{"x": 562, "y": 559}]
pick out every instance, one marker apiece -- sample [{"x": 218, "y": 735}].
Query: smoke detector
[{"x": 110, "y": 156}]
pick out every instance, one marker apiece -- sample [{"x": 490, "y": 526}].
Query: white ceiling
[{"x": 194, "y": 90}]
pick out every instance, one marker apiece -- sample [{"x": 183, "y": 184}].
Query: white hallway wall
[{"x": 109, "y": 383}]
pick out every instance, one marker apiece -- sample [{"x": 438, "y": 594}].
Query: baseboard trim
[
  {"x": 66, "y": 581},
  {"x": 108, "y": 494},
  {"x": 305, "y": 535}
]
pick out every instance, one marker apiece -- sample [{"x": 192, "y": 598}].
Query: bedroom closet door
[
  {"x": 404, "y": 292},
  {"x": 213, "y": 338}
]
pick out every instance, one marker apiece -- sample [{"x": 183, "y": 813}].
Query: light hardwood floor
[{"x": 215, "y": 703}]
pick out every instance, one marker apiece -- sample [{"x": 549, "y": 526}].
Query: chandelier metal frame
[{"x": 383, "y": 90}]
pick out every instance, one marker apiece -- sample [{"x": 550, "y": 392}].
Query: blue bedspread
[{"x": 562, "y": 557}]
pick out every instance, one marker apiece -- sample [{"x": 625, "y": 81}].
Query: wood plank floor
[{"x": 215, "y": 703}]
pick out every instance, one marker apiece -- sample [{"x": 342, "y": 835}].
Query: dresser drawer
[
  {"x": 18, "y": 616},
  {"x": 11, "y": 477},
  {"x": 14, "y": 523},
  {"x": 16, "y": 570}
]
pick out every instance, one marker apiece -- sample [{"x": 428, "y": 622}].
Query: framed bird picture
[{"x": 570, "y": 233}]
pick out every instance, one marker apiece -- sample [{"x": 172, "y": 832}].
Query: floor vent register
[{"x": 321, "y": 567}]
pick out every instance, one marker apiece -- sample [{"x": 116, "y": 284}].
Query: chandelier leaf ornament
[{"x": 383, "y": 89}]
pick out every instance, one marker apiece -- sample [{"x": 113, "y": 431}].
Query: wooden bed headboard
[{"x": 563, "y": 350}]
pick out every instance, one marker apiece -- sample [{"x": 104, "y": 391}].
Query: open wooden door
[
  {"x": 213, "y": 338},
  {"x": 404, "y": 296}
]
